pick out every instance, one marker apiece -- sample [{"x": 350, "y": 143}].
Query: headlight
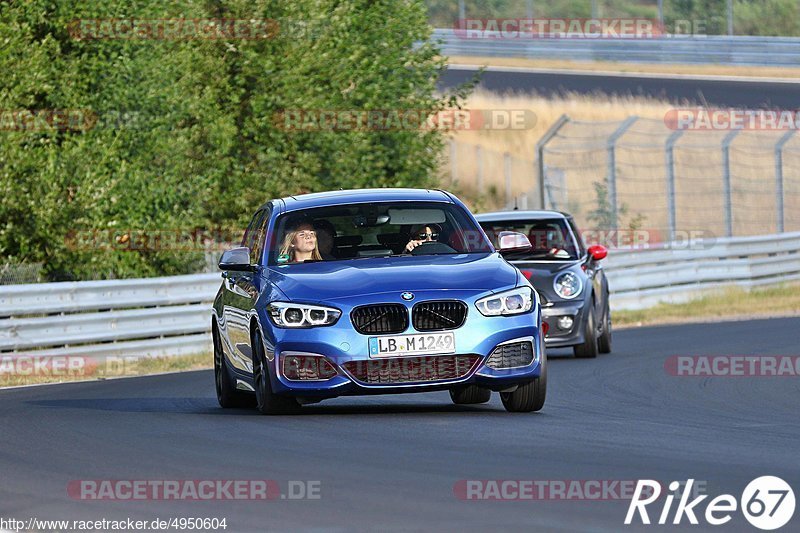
[
  {"x": 568, "y": 285},
  {"x": 289, "y": 315},
  {"x": 513, "y": 302}
]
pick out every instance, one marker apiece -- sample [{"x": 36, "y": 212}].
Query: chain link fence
[{"x": 640, "y": 173}]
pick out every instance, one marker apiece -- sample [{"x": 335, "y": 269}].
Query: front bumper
[
  {"x": 558, "y": 337},
  {"x": 341, "y": 344}
]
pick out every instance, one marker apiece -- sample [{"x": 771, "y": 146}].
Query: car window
[
  {"x": 551, "y": 238},
  {"x": 578, "y": 237},
  {"x": 374, "y": 230},
  {"x": 259, "y": 236},
  {"x": 252, "y": 234}
]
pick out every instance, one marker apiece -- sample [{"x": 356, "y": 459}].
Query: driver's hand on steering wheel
[{"x": 413, "y": 244}]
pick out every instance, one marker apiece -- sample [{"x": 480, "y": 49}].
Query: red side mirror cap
[{"x": 598, "y": 252}]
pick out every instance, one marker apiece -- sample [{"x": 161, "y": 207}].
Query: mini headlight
[
  {"x": 513, "y": 302},
  {"x": 568, "y": 285},
  {"x": 289, "y": 315}
]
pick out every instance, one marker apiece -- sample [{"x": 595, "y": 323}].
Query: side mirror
[
  {"x": 236, "y": 259},
  {"x": 598, "y": 252},
  {"x": 511, "y": 241}
]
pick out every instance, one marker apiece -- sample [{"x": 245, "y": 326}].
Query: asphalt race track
[
  {"x": 395, "y": 459},
  {"x": 678, "y": 90}
]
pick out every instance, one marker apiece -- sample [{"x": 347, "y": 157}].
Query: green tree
[{"x": 186, "y": 135}]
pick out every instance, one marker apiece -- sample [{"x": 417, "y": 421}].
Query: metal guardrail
[
  {"x": 712, "y": 49},
  {"x": 171, "y": 316},
  {"x": 135, "y": 317},
  {"x": 643, "y": 278}
]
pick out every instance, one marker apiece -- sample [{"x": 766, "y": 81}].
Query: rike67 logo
[{"x": 767, "y": 503}]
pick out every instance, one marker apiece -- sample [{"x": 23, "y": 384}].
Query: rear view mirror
[
  {"x": 236, "y": 259},
  {"x": 511, "y": 241}
]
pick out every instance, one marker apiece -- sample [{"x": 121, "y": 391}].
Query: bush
[{"x": 186, "y": 136}]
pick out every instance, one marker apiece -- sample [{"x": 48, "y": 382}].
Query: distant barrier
[{"x": 710, "y": 49}]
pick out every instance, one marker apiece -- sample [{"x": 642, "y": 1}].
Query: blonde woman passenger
[{"x": 300, "y": 244}]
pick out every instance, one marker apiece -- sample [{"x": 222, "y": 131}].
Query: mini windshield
[
  {"x": 551, "y": 239},
  {"x": 359, "y": 231}
]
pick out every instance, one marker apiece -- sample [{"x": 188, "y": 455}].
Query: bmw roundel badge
[{"x": 407, "y": 296}]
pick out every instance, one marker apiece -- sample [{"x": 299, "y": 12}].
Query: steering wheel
[{"x": 432, "y": 247}]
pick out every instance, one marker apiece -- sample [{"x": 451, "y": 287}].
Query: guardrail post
[
  {"x": 726, "y": 181},
  {"x": 540, "y": 146},
  {"x": 611, "y": 177},
  {"x": 779, "y": 196},
  {"x": 507, "y": 173},
  {"x": 479, "y": 166},
  {"x": 670, "y": 157}
]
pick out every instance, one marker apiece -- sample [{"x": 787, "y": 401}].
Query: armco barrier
[
  {"x": 711, "y": 49},
  {"x": 643, "y": 278},
  {"x": 171, "y": 316},
  {"x": 135, "y": 317}
]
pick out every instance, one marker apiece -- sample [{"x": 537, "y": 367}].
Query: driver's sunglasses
[{"x": 424, "y": 235}]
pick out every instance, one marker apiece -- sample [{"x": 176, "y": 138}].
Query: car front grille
[
  {"x": 393, "y": 370},
  {"x": 439, "y": 315},
  {"x": 381, "y": 318},
  {"x": 511, "y": 355}
]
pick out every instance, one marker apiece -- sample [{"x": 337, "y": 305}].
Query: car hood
[
  {"x": 544, "y": 269},
  {"x": 331, "y": 280}
]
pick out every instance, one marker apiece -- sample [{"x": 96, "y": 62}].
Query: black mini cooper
[{"x": 568, "y": 277}]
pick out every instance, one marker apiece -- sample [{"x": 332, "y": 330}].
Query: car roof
[
  {"x": 330, "y": 198},
  {"x": 505, "y": 216}
]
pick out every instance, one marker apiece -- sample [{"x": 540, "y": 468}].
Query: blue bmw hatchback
[{"x": 381, "y": 291}]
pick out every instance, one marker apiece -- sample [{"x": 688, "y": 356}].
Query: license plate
[{"x": 422, "y": 344}]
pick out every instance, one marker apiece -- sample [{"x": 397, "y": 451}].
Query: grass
[
  {"x": 732, "y": 303},
  {"x": 577, "y": 158},
  {"x": 102, "y": 368},
  {"x": 646, "y": 68},
  {"x": 520, "y": 143}
]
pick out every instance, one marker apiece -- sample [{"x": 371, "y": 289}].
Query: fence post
[
  {"x": 453, "y": 163},
  {"x": 779, "y": 197},
  {"x": 612, "y": 166},
  {"x": 479, "y": 165},
  {"x": 726, "y": 181},
  {"x": 671, "y": 209},
  {"x": 540, "y": 146},
  {"x": 507, "y": 173}
]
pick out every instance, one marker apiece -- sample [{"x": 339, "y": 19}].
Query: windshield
[
  {"x": 551, "y": 239},
  {"x": 358, "y": 231}
]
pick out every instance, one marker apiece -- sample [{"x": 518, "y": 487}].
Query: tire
[
  {"x": 227, "y": 394},
  {"x": 604, "y": 342},
  {"x": 529, "y": 397},
  {"x": 267, "y": 403},
  {"x": 589, "y": 348},
  {"x": 471, "y": 394}
]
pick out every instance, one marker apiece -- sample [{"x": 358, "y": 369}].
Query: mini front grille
[
  {"x": 381, "y": 318},
  {"x": 511, "y": 355},
  {"x": 392, "y": 370},
  {"x": 439, "y": 315}
]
